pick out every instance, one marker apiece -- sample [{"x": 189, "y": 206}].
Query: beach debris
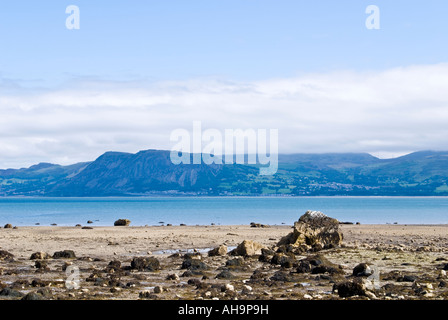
[
  {"x": 218, "y": 251},
  {"x": 87, "y": 228},
  {"x": 145, "y": 264},
  {"x": 90, "y": 221},
  {"x": 6, "y": 256},
  {"x": 122, "y": 222},
  {"x": 8, "y": 226},
  {"x": 316, "y": 230},
  {"x": 40, "y": 255},
  {"x": 66, "y": 254},
  {"x": 247, "y": 248}
]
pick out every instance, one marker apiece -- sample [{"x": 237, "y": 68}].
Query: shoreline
[{"x": 417, "y": 251}]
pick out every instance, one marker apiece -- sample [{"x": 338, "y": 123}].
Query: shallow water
[{"x": 219, "y": 210}]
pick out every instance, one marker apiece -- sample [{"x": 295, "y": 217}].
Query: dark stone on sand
[
  {"x": 194, "y": 282},
  {"x": 282, "y": 276},
  {"x": 304, "y": 267},
  {"x": 283, "y": 260},
  {"x": 193, "y": 264},
  {"x": 225, "y": 274},
  {"x": 258, "y": 225},
  {"x": 257, "y": 275},
  {"x": 362, "y": 270},
  {"x": 40, "y": 256},
  {"x": 87, "y": 228},
  {"x": 350, "y": 288},
  {"x": 6, "y": 256},
  {"x": 235, "y": 263},
  {"x": 41, "y": 264},
  {"x": 407, "y": 278},
  {"x": 33, "y": 296},
  {"x": 66, "y": 254},
  {"x": 145, "y": 264},
  {"x": 8, "y": 292},
  {"x": 8, "y": 226},
  {"x": 122, "y": 222}
]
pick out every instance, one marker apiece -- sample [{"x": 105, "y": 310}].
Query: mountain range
[{"x": 151, "y": 172}]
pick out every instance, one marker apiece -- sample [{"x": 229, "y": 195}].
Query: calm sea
[{"x": 220, "y": 210}]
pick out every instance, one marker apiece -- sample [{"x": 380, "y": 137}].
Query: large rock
[
  {"x": 247, "y": 248},
  {"x": 122, "y": 222},
  {"x": 314, "y": 229}
]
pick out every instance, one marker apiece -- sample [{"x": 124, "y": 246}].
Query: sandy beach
[{"x": 408, "y": 257}]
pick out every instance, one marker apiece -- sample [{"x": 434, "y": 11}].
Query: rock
[
  {"x": 228, "y": 287},
  {"x": 319, "y": 265},
  {"x": 304, "y": 267},
  {"x": 173, "y": 276},
  {"x": 362, "y": 270},
  {"x": 66, "y": 254},
  {"x": 258, "y": 225},
  {"x": 8, "y": 292},
  {"x": 113, "y": 266},
  {"x": 8, "y": 226},
  {"x": 218, "y": 251},
  {"x": 41, "y": 265},
  {"x": 40, "y": 256},
  {"x": 158, "y": 289},
  {"x": 6, "y": 256},
  {"x": 194, "y": 282},
  {"x": 145, "y": 264},
  {"x": 407, "y": 278},
  {"x": 235, "y": 263},
  {"x": 146, "y": 295},
  {"x": 283, "y": 260},
  {"x": 350, "y": 288},
  {"x": 307, "y": 297},
  {"x": 87, "y": 228},
  {"x": 193, "y": 264},
  {"x": 314, "y": 229},
  {"x": 193, "y": 255},
  {"x": 282, "y": 276},
  {"x": 225, "y": 274},
  {"x": 33, "y": 296},
  {"x": 247, "y": 248},
  {"x": 122, "y": 222}
]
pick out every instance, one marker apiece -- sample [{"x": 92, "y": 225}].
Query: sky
[{"x": 137, "y": 70}]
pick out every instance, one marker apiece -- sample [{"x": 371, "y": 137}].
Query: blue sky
[
  {"x": 137, "y": 70},
  {"x": 237, "y": 39}
]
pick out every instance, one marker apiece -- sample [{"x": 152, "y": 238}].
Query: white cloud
[{"x": 385, "y": 113}]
